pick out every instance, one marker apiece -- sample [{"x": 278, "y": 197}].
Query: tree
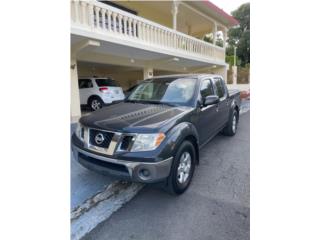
[{"x": 240, "y": 35}]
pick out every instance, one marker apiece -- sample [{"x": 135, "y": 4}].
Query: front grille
[{"x": 100, "y": 138}]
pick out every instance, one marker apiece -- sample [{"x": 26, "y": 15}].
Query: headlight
[
  {"x": 147, "y": 142},
  {"x": 79, "y": 131}
]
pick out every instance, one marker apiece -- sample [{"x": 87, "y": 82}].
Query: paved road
[{"x": 216, "y": 206}]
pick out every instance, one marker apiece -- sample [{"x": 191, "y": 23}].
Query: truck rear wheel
[
  {"x": 232, "y": 125},
  {"x": 182, "y": 169}
]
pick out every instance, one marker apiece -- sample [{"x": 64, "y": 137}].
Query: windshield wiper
[
  {"x": 132, "y": 101},
  {"x": 158, "y": 102}
]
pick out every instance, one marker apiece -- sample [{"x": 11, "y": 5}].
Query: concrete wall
[
  {"x": 221, "y": 71},
  {"x": 75, "y": 111}
]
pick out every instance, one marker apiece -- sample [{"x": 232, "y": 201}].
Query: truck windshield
[{"x": 165, "y": 90}]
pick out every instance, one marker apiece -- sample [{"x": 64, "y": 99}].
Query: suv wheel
[
  {"x": 232, "y": 125},
  {"x": 182, "y": 169},
  {"x": 95, "y": 103}
]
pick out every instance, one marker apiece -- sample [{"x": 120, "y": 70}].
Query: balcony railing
[{"x": 102, "y": 18}]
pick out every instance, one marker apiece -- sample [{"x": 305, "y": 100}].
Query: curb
[{"x": 100, "y": 207}]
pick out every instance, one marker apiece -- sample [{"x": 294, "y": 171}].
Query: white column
[
  {"x": 214, "y": 32},
  {"x": 225, "y": 35},
  {"x": 75, "y": 97},
  {"x": 147, "y": 72},
  {"x": 174, "y": 12}
]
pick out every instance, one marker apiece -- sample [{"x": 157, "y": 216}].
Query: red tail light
[{"x": 103, "y": 89}]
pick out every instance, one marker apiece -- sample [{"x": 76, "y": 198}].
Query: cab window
[
  {"x": 206, "y": 88},
  {"x": 221, "y": 91}
]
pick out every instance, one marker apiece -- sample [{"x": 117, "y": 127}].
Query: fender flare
[{"x": 181, "y": 132}]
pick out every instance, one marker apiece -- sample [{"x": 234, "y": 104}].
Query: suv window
[
  {"x": 101, "y": 82},
  {"x": 206, "y": 88},
  {"x": 85, "y": 83},
  {"x": 220, "y": 87}
]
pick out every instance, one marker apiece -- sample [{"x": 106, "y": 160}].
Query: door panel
[
  {"x": 223, "y": 105},
  {"x": 207, "y": 114}
]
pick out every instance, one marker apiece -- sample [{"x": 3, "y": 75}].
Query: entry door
[
  {"x": 223, "y": 106},
  {"x": 207, "y": 114}
]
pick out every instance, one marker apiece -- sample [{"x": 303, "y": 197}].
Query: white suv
[{"x": 96, "y": 92}]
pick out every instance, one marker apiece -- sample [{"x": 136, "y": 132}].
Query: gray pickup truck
[{"x": 155, "y": 135}]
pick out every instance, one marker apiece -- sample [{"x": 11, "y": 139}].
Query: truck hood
[{"x": 133, "y": 117}]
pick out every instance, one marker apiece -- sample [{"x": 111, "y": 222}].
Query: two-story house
[{"x": 134, "y": 40}]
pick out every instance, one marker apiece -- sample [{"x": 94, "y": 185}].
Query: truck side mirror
[{"x": 210, "y": 100}]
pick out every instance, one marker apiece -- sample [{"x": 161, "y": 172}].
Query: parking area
[
  {"x": 222, "y": 177},
  {"x": 216, "y": 206}
]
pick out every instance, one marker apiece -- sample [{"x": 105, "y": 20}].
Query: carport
[{"x": 125, "y": 64}]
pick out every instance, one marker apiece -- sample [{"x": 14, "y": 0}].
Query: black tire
[
  {"x": 95, "y": 103},
  {"x": 231, "y": 129},
  {"x": 173, "y": 185}
]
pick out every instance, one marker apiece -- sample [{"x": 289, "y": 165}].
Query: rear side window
[
  {"x": 220, "y": 87},
  {"x": 206, "y": 88},
  {"x": 105, "y": 82},
  {"x": 85, "y": 83}
]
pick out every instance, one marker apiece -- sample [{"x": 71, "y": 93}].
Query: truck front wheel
[{"x": 182, "y": 169}]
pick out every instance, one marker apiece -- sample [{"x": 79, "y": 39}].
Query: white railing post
[
  {"x": 103, "y": 12},
  {"x": 97, "y": 17},
  {"x": 91, "y": 16},
  {"x": 83, "y": 13},
  {"x": 125, "y": 19},
  {"x": 148, "y": 33},
  {"x": 76, "y": 11},
  {"x": 139, "y": 30},
  {"x": 143, "y": 33},
  {"x": 130, "y": 26},
  {"x": 114, "y": 21},
  {"x": 109, "y": 20},
  {"x": 120, "y": 23},
  {"x": 135, "y": 28}
]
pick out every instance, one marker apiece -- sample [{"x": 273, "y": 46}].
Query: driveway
[
  {"x": 85, "y": 183},
  {"x": 216, "y": 206}
]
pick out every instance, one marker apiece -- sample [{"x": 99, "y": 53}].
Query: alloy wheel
[{"x": 184, "y": 167}]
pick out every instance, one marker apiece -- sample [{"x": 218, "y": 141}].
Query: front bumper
[{"x": 145, "y": 172}]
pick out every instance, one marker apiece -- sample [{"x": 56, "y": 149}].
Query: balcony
[{"x": 97, "y": 20}]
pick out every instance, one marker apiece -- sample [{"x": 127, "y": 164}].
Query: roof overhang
[{"x": 211, "y": 10}]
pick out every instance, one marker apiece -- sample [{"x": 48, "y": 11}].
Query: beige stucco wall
[{"x": 188, "y": 21}]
